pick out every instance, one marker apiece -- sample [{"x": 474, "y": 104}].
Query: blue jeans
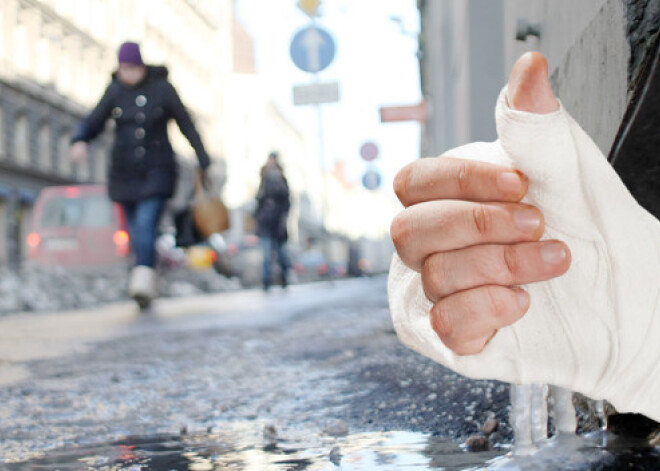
[
  {"x": 142, "y": 218},
  {"x": 272, "y": 247}
]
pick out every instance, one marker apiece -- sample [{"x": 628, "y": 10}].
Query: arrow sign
[
  {"x": 312, "y": 42},
  {"x": 312, "y": 49}
]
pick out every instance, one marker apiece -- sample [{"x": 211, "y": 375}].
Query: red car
[{"x": 78, "y": 227}]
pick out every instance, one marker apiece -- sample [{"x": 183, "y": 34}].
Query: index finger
[{"x": 438, "y": 178}]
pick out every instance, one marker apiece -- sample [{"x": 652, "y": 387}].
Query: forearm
[
  {"x": 187, "y": 127},
  {"x": 196, "y": 142},
  {"x": 94, "y": 123}
]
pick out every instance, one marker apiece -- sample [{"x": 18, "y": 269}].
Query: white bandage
[{"x": 596, "y": 329}]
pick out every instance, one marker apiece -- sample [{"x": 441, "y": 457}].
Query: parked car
[
  {"x": 78, "y": 227},
  {"x": 313, "y": 265},
  {"x": 245, "y": 257}
]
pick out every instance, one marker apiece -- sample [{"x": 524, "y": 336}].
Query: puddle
[
  {"x": 399, "y": 451},
  {"x": 601, "y": 451},
  {"x": 356, "y": 452}
]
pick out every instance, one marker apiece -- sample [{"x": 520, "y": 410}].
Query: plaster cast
[{"x": 595, "y": 329}]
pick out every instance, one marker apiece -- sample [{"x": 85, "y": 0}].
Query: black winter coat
[
  {"x": 273, "y": 205},
  {"x": 142, "y": 161}
]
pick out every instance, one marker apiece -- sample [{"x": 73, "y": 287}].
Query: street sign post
[{"x": 312, "y": 49}]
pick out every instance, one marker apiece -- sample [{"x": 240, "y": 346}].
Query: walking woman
[
  {"x": 273, "y": 205},
  {"x": 142, "y": 170}
]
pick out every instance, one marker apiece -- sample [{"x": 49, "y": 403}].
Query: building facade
[
  {"x": 469, "y": 46},
  {"x": 461, "y": 70},
  {"x": 56, "y": 58}
]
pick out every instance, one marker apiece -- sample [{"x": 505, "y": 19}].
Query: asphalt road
[{"x": 301, "y": 367}]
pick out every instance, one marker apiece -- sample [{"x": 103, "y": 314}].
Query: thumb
[
  {"x": 534, "y": 133},
  {"x": 529, "y": 88}
]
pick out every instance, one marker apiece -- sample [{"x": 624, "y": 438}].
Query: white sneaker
[{"x": 142, "y": 285}]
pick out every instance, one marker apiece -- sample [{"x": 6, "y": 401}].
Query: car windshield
[{"x": 88, "y": 211}]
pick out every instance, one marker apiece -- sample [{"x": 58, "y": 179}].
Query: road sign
[
  {"x": 369, "y": 151},
  {"x": 312, "y": 49},
  {"x": 371, "y": 179},
  {"x": 417, "y": 112},
  {"x": 309, "y": 6},
  {"x": 316, "y": 93}
]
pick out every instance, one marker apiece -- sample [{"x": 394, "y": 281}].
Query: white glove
[{"x": 596, "y": 329}]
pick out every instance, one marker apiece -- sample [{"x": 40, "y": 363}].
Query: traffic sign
[
  {"x": 310, "y": 7},
  {"x": 316, "y": 93},
  {"x": 418, "y": 112},
  {"x": 312, "y": 49},
  {"x": 371, "y": 179},
  {"x": 369, "y": 151}
]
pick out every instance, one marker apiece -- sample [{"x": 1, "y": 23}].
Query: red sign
[
  {"x": 417, "y": 112},
  {"x": 369, "y": 151}
]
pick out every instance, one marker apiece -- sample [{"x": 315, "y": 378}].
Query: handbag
[
  {"x": 187, "y": 234},
  {"x": 210, "y": 215}
]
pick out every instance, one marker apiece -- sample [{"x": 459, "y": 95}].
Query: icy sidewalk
[{"x": 58, "y": 289}]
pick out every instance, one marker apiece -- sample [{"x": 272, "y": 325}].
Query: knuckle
[
  {"x": 512, "y": 265},
  {"x": 401, "y": 183},
  {"x": 481, "y": 219},
  {"x": 442, "y": 324},
  {"x": 435, "y": 278},
  {"x": 463, "y": 177},
  {"x": 400, "y": 231}
]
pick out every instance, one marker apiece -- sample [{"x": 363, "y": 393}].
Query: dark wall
[{"x": 643, "y": 26}]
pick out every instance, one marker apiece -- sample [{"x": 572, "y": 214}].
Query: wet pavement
[{"x": 310, "y": 378}]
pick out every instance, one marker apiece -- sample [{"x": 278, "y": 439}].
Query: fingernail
[
  {"x": 527, "y": 219},
  {"x": 553, "y": 254},
  {"x": 523, "y": 298},
  {"x": 509, "y": 182}
]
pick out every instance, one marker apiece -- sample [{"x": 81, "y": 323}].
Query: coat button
[
  {"x": 140, "y": 151},
  {"x": 140, "y": 117},
  {"x": 141, "y": 100},
  {"x": 117, "y": 112},
  {"x": 140, "y": 132}
]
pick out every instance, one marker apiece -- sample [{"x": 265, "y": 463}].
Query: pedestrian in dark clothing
[
  {"x": 273, "y": 205},
  {"x": 142, "y": 171}
]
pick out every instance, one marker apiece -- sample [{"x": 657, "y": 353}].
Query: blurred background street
[{"x": 221, "y": 373}]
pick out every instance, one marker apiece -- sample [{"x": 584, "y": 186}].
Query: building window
[
  {"x": 44, "y": 147},
  {"x": 22, "y": 140},
  {"x": 64, "y": 161},
  {"x": 100, "y": 164},
  {"x": 82, "y": 169},
  {"x": 3, "y": 145}
]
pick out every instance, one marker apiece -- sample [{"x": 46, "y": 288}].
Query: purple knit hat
[{"x": 129, "y": 53}]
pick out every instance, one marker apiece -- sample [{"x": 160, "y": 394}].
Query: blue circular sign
[
  {"x": 371, "y": 180},
  {"x": 312, "y": 49}
]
